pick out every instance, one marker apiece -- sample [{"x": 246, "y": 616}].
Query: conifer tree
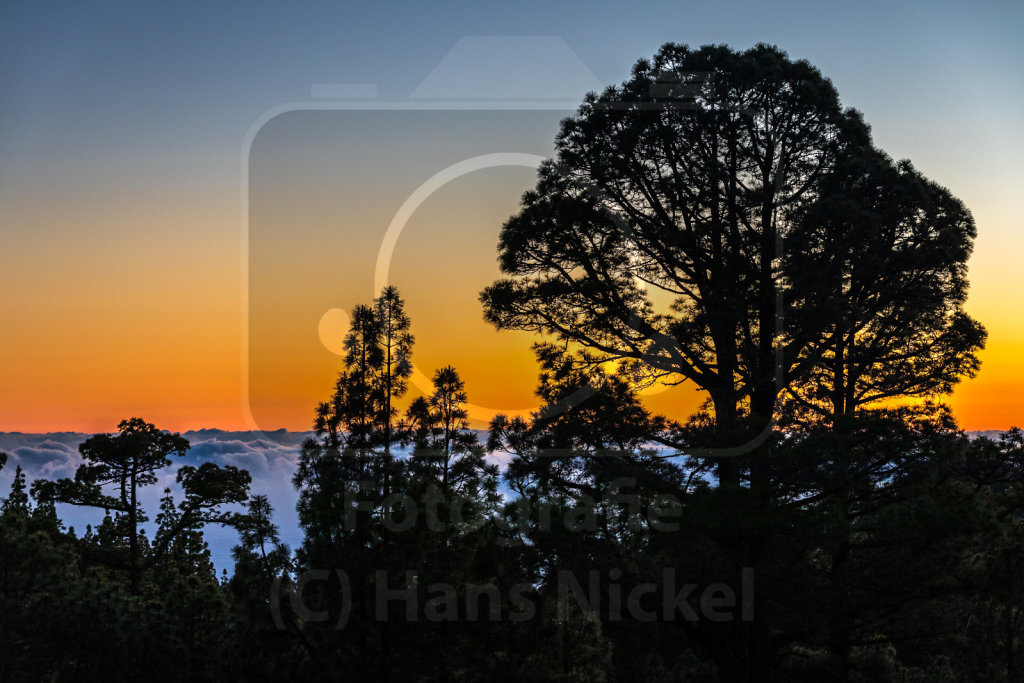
[
  {"x": 396, "y": 361},
  {"x": 127, "y": 460}
]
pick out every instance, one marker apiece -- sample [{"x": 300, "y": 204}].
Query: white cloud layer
[{"x": 270, "y": 457}]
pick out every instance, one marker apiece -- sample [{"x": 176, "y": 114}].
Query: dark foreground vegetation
[{"x": 718, "y": 219}]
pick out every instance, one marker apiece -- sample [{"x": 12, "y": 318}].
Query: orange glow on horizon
[{"x": 125, "y": 322}]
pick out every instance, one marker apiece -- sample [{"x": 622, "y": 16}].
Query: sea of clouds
[{"x": 270, "y": 457}]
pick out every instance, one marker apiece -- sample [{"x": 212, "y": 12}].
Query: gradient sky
[{"x": 134, "y": 138}]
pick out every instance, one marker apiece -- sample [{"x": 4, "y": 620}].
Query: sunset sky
[{"x": 191, "y": 197}]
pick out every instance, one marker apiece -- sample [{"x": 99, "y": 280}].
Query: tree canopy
[{"x": 717, "y": 219}]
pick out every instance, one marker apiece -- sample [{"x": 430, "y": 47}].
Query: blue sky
[
  {"x": 123, "y": 130},
  {"x": 99, "y": 78}
]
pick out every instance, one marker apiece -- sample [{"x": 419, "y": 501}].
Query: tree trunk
[
  {"x": 725, "y": 425},
  {"x": 133, "y": 538}
]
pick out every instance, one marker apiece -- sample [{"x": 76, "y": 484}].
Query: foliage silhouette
[
  {"x": 683, "y": 232},
  {"x": 718, "y": 218}
]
